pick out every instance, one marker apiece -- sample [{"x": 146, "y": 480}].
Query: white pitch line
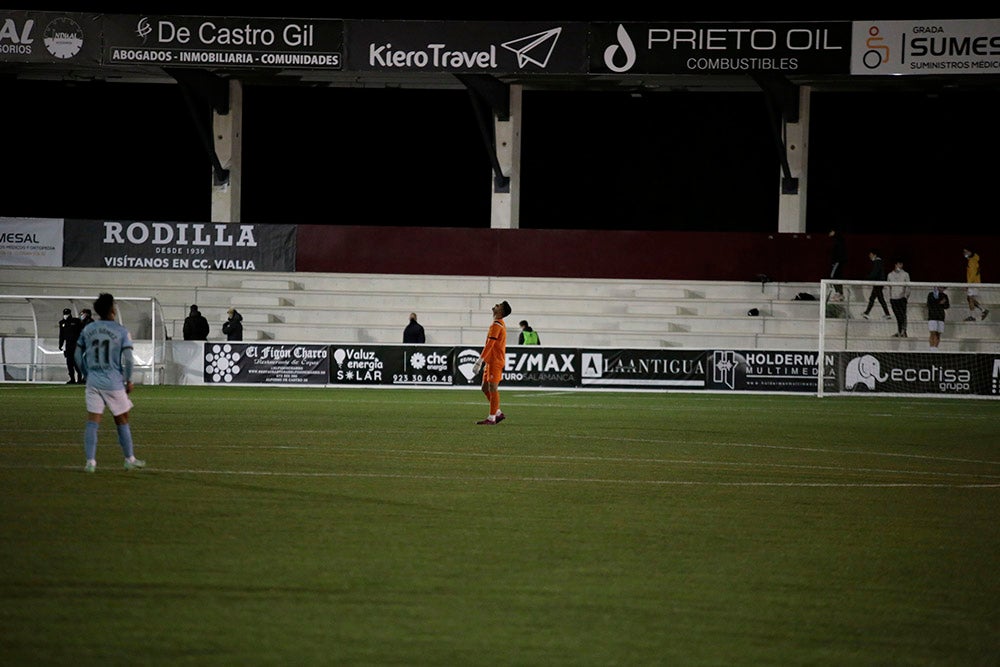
[
  {"x": 785, "y": 447},
  {"x": 559, "y": 458},
  {"x": 544, "y": 480}
]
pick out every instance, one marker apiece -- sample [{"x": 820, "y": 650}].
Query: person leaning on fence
[
  {"x": 528, "y": 336},
  {"x": 973, "y": 277}
]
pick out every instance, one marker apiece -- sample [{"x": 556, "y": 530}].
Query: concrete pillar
[
  {"x": 227, "y": 132},
  {"x": 792, "y": 207},
  {"x": 504, "y": 212}
]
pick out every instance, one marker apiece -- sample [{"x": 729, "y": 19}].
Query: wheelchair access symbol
[{"x": 878, "y": 51}]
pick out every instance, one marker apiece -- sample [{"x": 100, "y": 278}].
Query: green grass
[{"x": 289, "y": 526}]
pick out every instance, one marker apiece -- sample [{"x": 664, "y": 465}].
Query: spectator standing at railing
[
  {"x": 973, "y": 277},
  {"x": 195, "y": 325},
  {"x": 528, "y": 336},
  {"x": 899, "y": 296},
  {"x": 233, "y": 327},
  {"x": 413, "y": 334},
  {"x": 937, "y": 303}
]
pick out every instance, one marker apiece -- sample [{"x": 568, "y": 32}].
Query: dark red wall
[{"x": 626, "y": 254}]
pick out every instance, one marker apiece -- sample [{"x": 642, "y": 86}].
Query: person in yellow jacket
[{"x": 973, "y": 277}]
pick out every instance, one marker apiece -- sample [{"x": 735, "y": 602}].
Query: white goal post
[
  {"x": 29, "y": 336},
  {"x": 864, "y": 350}
]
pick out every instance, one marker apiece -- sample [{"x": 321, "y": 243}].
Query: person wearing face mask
[{"x": 69, "y": 331}]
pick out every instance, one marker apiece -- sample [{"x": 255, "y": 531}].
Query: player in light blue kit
[{"x": 104, "y": 357}]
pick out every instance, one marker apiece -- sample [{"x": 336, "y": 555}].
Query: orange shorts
[{"x": 493, "y": 376}]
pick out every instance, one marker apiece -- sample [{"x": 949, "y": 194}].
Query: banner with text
[
  {"x": 49, "y": 37},
  {"x": 596, "y": 368},
  {"x": 229, "y": 42},
  {"x": 720, "y": 48},
  {"x": 266, "y": 363},
  {"x": 468, "y": 47},
  {"x": 926, "y": 47},
  {"x": 643, "y": 369},
  {"x": 179, "y": 245},
  {"x": 938, "y": 373},
  {"x": 767, "y": 370},
  {"x": 31, "y": 242}
]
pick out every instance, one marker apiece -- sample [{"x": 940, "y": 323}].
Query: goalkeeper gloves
[{"x": 478, "y": 366}]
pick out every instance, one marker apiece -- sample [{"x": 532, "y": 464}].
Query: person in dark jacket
[
  {"x": 195, "y": 325},
  {"x": 69, "y": 331},
  {"x": 877, "y": 272},
  {"x": 86, "y": 317},
  {"x": 414, "y": 331},
  {"x": 937, "y": 303},
  {"x": 838, "y": 260},
  {"x": 233, "y": 327}
]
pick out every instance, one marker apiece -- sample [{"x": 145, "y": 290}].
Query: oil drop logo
[{"x": 625, "y": 47}]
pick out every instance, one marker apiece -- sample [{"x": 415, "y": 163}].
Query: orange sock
[{"x": 494, "y": 402}]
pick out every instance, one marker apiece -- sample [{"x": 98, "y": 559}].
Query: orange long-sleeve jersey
[{"x": 495, "y": 350}]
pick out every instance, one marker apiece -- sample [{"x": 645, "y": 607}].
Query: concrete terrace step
[{"x": 364, "y": 308}]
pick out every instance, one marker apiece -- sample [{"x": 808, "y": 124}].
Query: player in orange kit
[{"x": 494, "y": 358}]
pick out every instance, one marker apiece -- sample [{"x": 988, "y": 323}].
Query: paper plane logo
[{"x": 535, "y": 49}]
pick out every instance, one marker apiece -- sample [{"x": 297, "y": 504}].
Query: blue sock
[
  {"x": 125, "y": 439},
  {"x": 90, "y": 440}
]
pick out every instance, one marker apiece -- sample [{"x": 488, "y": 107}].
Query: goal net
[
  {"x": 29, "y": 336},
  {"x": 868, "y": 348}
]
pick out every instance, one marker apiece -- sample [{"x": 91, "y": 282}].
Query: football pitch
[{"x": 289, "y": 526}]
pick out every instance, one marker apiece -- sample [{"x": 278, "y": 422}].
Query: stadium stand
[{"x": 372, "y": 308}]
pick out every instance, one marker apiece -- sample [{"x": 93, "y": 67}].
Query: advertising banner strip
[
  {"x": 31, "y": 242},
  {"x": 50, "y": 37},
  {"x": 720, "y": 48},
  {"x": 623, "y": 369},
  {"x": 938, "y": 373},
  {"x": 179, "y": 245},
  {"x": 767, "y": 370},
  {"x": 926, "y": 47},
  {"x": 536, "y": 366},
  {"x": 223, "y": 42},
  {"x": 643, "y": 368},
  {"x": 467, "y": 47},
  {"x": 266, "y": 363}
]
